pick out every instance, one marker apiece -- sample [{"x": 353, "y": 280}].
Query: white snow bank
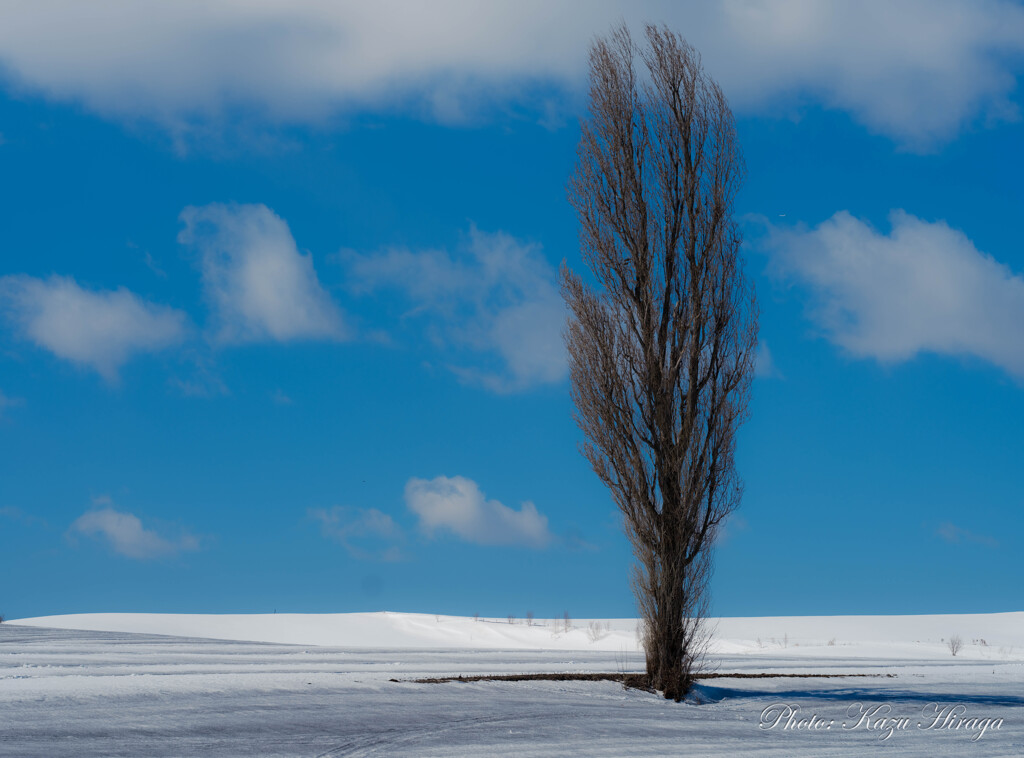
[
  {"x": 985, "y": 636},
  {"x": 363, "y": 630}
]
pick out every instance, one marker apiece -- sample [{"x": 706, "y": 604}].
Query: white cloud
[
  {"x": 126, "y": 536},
  {"x": 364, "y": 533},
  {"x": 258, "y": 284},
  {"x": 98, "y": 329},
  {"x": 457, "y": 505},
  {"x": 915, "y": 69},
  {"x": 924, "y": 287},
  {"x": 496, "y": 297}
]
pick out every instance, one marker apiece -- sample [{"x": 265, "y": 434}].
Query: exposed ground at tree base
[{"x": 635, "y": 680}]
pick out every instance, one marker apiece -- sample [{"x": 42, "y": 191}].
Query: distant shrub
[{"x": 954, "y": 644}]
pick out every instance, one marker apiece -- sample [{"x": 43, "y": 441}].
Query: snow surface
[
  {"x": 106, "y": 685},
  {"x": 988, "y": 636}
]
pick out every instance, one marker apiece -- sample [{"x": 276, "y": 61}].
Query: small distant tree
[
  {"x": 954, "y": 644},
  {"x": 661, "y": 353},
  {"x": 529, "y": 618}
]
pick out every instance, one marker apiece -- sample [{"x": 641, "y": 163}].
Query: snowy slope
[
  {"x": 995, "y": 636},
  {"x": 97, "y": 694},
  {"x": 361, "y": 630}
]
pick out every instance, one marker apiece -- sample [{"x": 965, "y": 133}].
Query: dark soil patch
[{"x": 636, "y": 681}]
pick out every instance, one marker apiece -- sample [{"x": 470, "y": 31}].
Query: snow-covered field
[{"x": 317, "y": 685}]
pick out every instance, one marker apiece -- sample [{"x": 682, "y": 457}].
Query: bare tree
[
  {"x": 954, "y": 644},
  {"x": 661, "y": 353}
]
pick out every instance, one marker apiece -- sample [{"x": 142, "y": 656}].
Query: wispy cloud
[
  {"x": 100, "y": 329},
  {"x": 201, "y": 381},
  {"x": 456, "y": 504},
  {"x": 924, "y": 287},
  {"x": 8, "y": 402},
  {"x": 280, "y": 397},
  {"x": 917, "y": 70},
  {"x": 125, "y": 535},
  {"x": 952, "y": 533},
  {"x": 367, "y": 534},
  {"x": 495, "y": 296},
  {"x": 765, "y": 367},
  {"x": 152, "y": 265},
  {"x": 728, "y": 529},
  {"x": 19, "y": 516},
  {"x": 258, "y": 284}
]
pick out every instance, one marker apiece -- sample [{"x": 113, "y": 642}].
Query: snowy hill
[{"x": 996, "y": 636}]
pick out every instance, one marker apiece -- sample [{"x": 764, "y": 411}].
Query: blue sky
[{"x": 279, "y": 318}]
